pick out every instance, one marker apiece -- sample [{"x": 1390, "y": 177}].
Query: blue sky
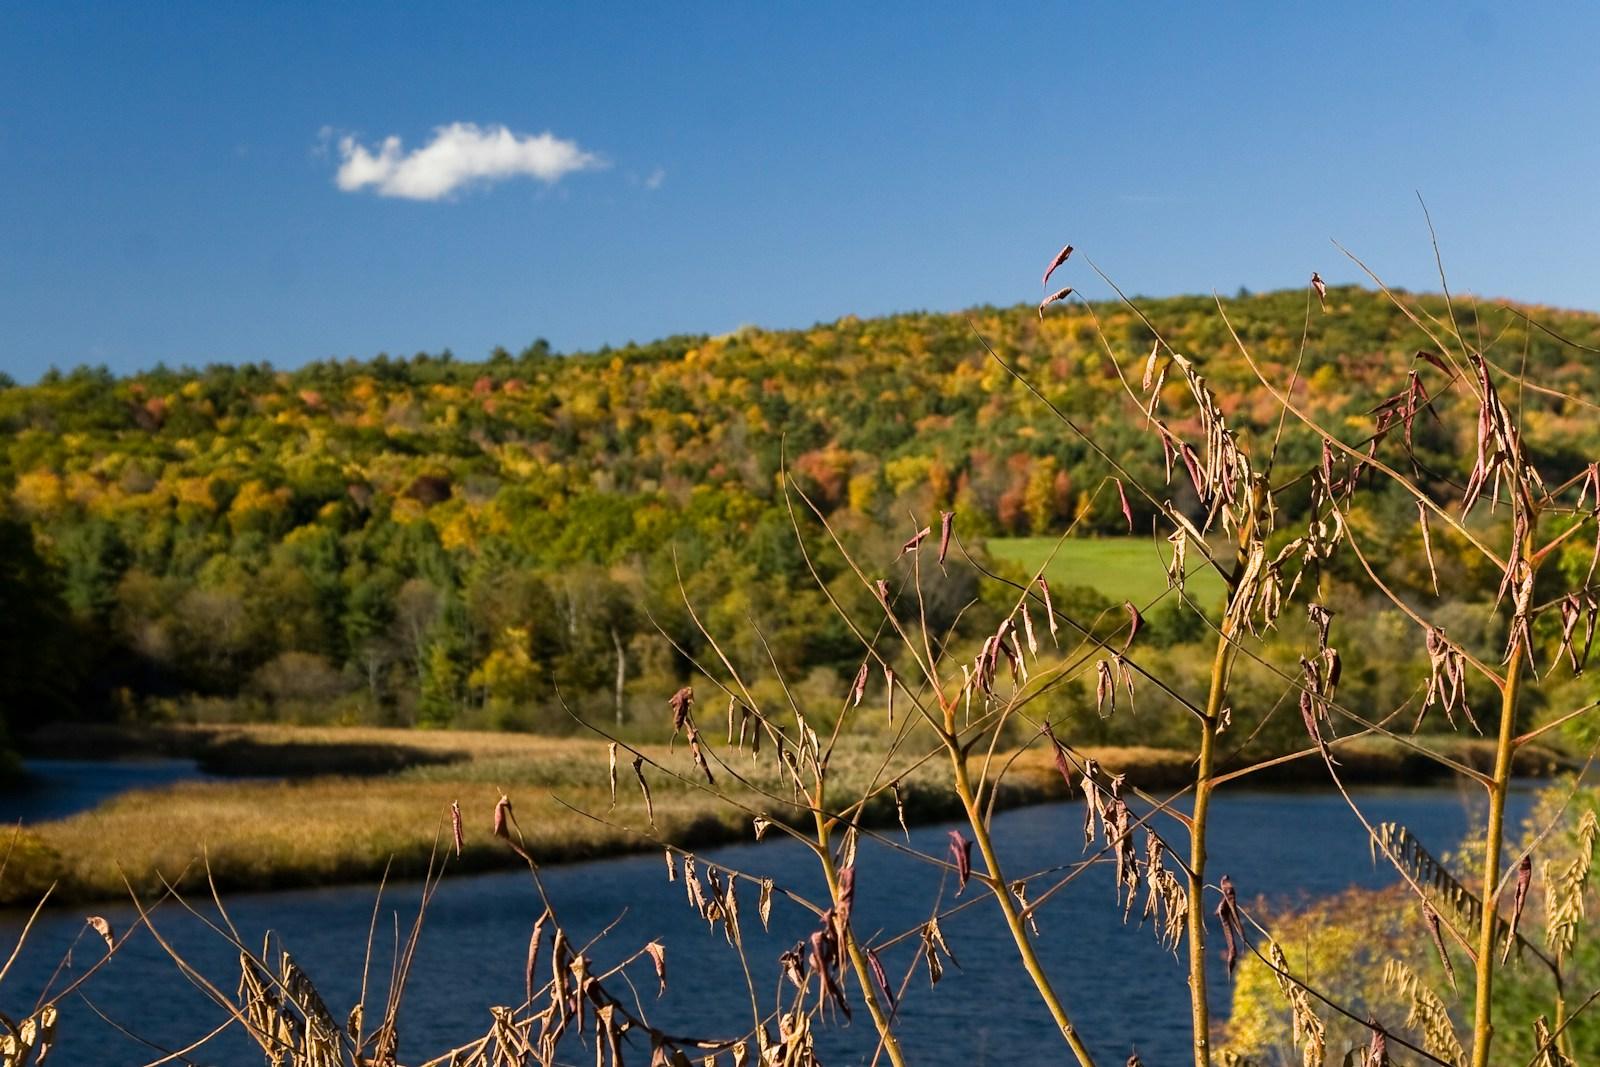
[{"x": 170, "y": 175}]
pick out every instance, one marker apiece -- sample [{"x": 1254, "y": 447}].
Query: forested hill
[{"x": 428, "y": 539}]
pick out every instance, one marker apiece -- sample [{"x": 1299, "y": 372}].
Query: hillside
[{"x": 428, "y": 540}]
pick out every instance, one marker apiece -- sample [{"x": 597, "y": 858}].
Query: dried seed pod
[
  {"x": 532, "y": 965},
  {"x": 1059, "y": 756},
  {"x": 1427, "y": 545},
  {"x": 502, "y": 814},
  {"x": 1447, "y": 678},
  {"x": 101, "y": 926},
  {"x": 764, "y": 902},
  {"x": 1431, "y": 919},
  {"x": 699, "y": 755},
  {"x": 658, "y": 957},
  {"x": 847, "y": 893},
  {"x": 1322, "y": 289},
  {"x": 1321, "y": 618},
  {"x": 1049, "y": 609},
  {"x": 1105, "y": 687},
  {"x": 1127, "y": 512},
  {"x": 1433, "y": 358},
  {"x": 933, "y": 946},
  {"x": 847, "y": 849},
  {"x": 1191, "y": 464},
  {"x": 1518, "y": 900},
  {"x": 681, "y": 702},
  {"x": 691, "y": 886},
  {"x": 1061, "y": 257},
  {"x": 793, "y": 964},
  {"x": 961, "y": 856},
  {"x": 1573, "y": 608},
  {"x": 858, "y": 688},
  {"x": 915, "y": 541},
  {"x": 611, "y": 770},
  {"x": 1135, "y": 621},
  {"x": 881, "y": 979},
  {"x": 1176, "y": 569},
  {"x": 947, "y": 522},
  {"x": 1059, "y": 294},
  {"x": 456, "y": 833},
  {"x": 1150, "y": 363},
  {"x": 1378, "y": 1049},
  {"x": 1232, "y": 927},
  {"x": 644, "y": 787},
  {"x": 825, "y": 956}
]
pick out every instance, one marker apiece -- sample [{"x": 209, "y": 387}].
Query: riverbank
[{"x": 343, "y": 805}]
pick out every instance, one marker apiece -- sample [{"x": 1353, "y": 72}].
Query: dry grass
[{"x": 300, "y": 831}]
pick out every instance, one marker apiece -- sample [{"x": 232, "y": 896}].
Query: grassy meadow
[{"x": 1118, "y": 568}]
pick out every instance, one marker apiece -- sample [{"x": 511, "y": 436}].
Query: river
[{"x": 1123, "y": 989}]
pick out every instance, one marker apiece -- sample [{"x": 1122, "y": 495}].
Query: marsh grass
[{"x": 307, "y": 829}]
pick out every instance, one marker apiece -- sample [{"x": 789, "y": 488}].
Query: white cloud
[
  {"x": 459, "y": 155},
  {"x": 655, "y": 178}
]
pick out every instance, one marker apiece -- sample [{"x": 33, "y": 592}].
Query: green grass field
[{"x": 1120, "y": 568}]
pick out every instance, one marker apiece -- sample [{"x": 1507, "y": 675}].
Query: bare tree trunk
[{"x": 622, "y": 671}]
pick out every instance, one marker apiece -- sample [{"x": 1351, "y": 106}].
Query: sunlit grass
[
  {"x": 282, "y": 832},
  {"x": 257, "y": 834},
  {"x": 1119, "y": 568}
]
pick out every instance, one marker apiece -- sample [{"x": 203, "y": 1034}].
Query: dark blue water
[
  {"x": 1121, "y": 987},
  {"x": 55, "y": 788}
]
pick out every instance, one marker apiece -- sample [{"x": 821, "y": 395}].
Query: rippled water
[{"x": 1123, "y": 990}]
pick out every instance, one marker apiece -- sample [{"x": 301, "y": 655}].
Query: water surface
[
  {"x": 1122, "y": 988},
  {"x": 56, "y": 788}
]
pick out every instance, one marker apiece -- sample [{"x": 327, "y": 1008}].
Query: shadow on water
[
  {"x": 1124, "y": 990},
  {"x": 56, "y": 788}
]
